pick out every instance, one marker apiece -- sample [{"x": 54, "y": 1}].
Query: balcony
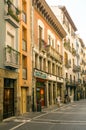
[
  {"x": 71, "y": 82},
  {"x": 73, "y": 52},
  {"x": 54, "y": 54},
  {"x": 11, "y": 14},
  {"x": 67, "y": 46},
  {"x": 42, "y": 45},
  {"x": 11, "y": 58},
  {"x": 76, "y": 68},
  {"x": 83, "y": 72},
  {"x": 68, "y": 64},
  {"x": 84, "y": 82}
]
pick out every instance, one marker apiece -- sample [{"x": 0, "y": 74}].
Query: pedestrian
[{"x": 58, "y": 101}]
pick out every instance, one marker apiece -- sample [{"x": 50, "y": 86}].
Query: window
[
  {"x": 71, "y": 78},
  {"x": 36, "y": 60},
  {"x": 49, "y": 67},
  {"x": 66, "y": 75},
  {"x": 73, "y": 62},
  {"x": 40, "y": 37},
  {"x": 53, "y": 68},
  {"x": 58, "y": 46},
  {"x": 53, "y": 43},
  {"x": 44, "y": 64},
  {"x": 40, "y": 63},
  {"x": 24, "y": 67},
  {"x": 65, "y": 58},
  {"x": 24, "y": 39},
  {"x": 49, "y": 40},
  {"x": 10, "y": 40}
]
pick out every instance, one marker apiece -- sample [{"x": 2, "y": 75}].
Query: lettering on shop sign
[{"x": 40, "y": 74}]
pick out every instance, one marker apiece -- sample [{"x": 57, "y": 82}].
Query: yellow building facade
[{"x": 25, "y": 57}]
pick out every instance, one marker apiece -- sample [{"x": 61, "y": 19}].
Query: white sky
[{"x": 77, "y": 11}]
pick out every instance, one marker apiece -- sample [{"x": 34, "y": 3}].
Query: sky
[{"x": 77, "y": 11}]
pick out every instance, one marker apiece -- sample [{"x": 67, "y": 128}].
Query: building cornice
[
  {"x": 63, "y": 8},
  {"x": 43, "y": 8},
  {"x": 82, "y": 43}
]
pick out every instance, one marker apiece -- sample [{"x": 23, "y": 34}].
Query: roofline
[
  {"x": 63, "y": 8},
  {"x": 47, "y": 13},
  {"x": 82, "y": 43}
]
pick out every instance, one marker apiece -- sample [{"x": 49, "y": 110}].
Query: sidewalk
[
  {"x": 43, "y": 111},
  {"x": 31, "y": 115}
]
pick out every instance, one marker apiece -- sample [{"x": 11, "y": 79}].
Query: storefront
[
  {"x": 40, "y": 92},
  {"x": 40, "y": 87}
]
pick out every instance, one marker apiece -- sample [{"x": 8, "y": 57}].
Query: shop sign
[{"x": 40, "y": 74}]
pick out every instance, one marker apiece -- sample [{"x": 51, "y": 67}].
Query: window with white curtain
[{"x": 10, "y": 40}]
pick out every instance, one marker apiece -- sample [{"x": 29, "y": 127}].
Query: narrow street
[{"x": 67, "y": 117}]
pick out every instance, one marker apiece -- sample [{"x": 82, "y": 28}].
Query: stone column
[
  {"x": 62, "y": 92},
  {"x": 51, "y": 93},
  {"x": 55, "y": 92},
  {"x": 34, "y": 94},
  {"x": 55, "y": 69},
  {"x": 38, "y": 61},
  {"x": 42, "y": 64},
  {"x": 47, "y": 95},
  {"x": 46, "y": 62},
  {"x": 51, "y": 67}
]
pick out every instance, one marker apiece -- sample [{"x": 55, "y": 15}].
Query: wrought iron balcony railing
[
  {"x": 12, "y": 14},
  {"x": 11, "y": 58},
  {"x": 42, "y": 45},
  {"x": 76, "y": 68},
  {"x": 73, "y": 52},
  {"x": 83, "y": 72},
  {"x": 71, "y": 82},
  {"x": 67, "y": 46},
  {"x": 54, "y": 54}
]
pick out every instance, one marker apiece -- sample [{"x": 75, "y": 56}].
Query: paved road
[{"x": 68, "y": 117}]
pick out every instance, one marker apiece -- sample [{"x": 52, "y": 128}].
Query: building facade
[
  {"x": 9, "y": 58},
  {"x": 81, "y": 92},
  {"x": 71, "y": 67},
  {"x": 47, "y": 53},
  {"x": 25, "y": 70}
]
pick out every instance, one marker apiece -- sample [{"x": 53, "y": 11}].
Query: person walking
[{"x": 58, "y": 101}]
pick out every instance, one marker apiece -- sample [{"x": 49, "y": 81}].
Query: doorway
[
  {"x": 23, "y": 100},
  {"x": 8, "y": 98}
]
